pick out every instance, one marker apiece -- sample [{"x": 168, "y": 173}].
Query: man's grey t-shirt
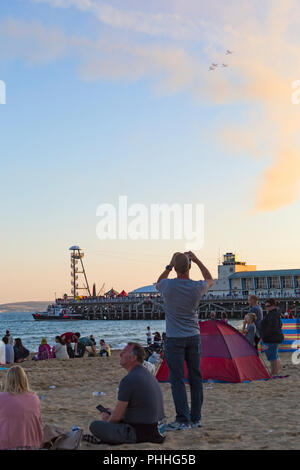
[
  {"x": 259, "y": 316},
  {"x": 144, "y": 396},
  {"x": 181, "y": 300}
]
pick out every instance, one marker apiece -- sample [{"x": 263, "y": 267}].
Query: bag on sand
[
  {"x": 55, "y": 439},
  {"x": 150, "y": 367}
]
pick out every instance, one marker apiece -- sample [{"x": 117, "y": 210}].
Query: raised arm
[
  {"x": 205, "y": 272},
  {"x": 166, "y": 272}
]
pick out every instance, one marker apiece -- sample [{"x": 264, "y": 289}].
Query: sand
[{"x": 256, "y": 415}]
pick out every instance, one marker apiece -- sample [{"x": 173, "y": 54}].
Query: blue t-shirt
[{"x": 181, "y": 300}]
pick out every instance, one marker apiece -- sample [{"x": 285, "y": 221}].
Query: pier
[
  {"x": 229, "y": 294},
  {"x": 152, "y": 308}
]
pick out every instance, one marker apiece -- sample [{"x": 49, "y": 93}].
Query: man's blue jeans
[{"x": 179, "y": 350}]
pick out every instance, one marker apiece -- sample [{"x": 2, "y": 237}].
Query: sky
[{"x": 112, "y": 98}]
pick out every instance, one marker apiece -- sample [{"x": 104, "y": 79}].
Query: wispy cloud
[
  {"x": 181, "y": 42},
  {"x": 165, "y": 24}
]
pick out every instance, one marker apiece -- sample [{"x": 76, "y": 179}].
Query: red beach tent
[{"x": 227, "y": 356}]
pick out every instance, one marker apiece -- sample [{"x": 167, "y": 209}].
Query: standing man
[
  {"x": 272, "y": 335},
  {"x": 181, "y": 300},
  {"x": 255, "y": 308}
]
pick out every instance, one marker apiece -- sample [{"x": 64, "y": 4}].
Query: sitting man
[{"x": 139, "y": 407}]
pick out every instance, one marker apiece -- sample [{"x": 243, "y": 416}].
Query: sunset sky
[{"x": 110, "y": 98}]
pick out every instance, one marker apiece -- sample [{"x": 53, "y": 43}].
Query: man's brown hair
[{"x": 138, "y": 351}]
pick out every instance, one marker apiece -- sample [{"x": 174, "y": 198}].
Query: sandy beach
[{"x": 256, "y": 415}]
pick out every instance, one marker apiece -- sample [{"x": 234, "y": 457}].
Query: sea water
[{"x": 115, "y": 333}]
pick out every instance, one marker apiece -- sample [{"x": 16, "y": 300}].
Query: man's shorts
[{"x": 272, "y": 351}]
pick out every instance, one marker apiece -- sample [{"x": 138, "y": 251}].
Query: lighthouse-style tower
[{"x": 77, "y": 270}]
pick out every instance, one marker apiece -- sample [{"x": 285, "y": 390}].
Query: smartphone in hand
[{"x": 102, "y": 409}]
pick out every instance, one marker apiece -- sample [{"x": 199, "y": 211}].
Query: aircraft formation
[{"x": 213, "y": 66}]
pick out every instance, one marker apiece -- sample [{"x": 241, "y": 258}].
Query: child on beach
[
  {"x": 249, "y": 329},
  {"x": 44, "y": 351}
]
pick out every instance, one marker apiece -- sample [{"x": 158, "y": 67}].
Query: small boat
[{"x": 57, "y": 312}]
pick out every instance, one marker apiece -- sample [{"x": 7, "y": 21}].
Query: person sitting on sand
[
  {"x": 69, "y": 338},
  {"x": 104, "y": 348},
  {"x": 60, "y": 349},
  {"x": 21, "y": 353},
  {"x": 20, "y": 413},
  {"x": 44, "y": 352},
  {"x": 139, "y": 407},
  {"x": 249, "y": 328},
  {"x": 9, "y": 351}
]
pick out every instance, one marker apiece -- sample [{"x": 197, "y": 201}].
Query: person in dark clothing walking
[{"x": 272, "y": 336}]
